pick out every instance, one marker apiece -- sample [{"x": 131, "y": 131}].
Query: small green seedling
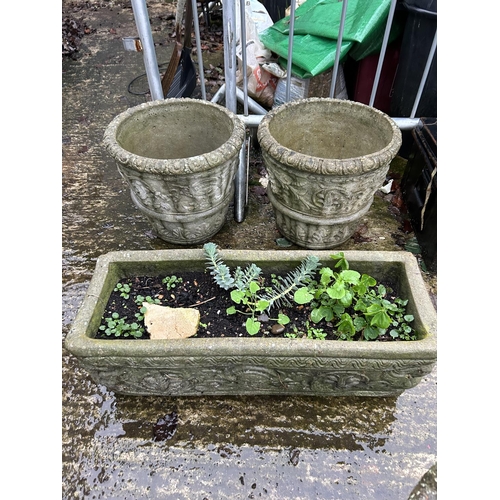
[
  {"x": 139, "y": 300},
  {"x": 171, "y": 281},
  {"x": 311, "y": 332},
  {"x": 124, "y": 289},
  {"x": 118, "y": 327}
]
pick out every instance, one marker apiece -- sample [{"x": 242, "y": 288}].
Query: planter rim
[
  {"x": 332, "y": 166},
  {"x": 177, "y": 166},
  {"x": 80, "y": 344}
]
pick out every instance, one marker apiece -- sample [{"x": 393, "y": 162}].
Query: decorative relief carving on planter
[
  {"x": 238, "y": 375},
  {"x": 316, "y": 196},
  {"x": 314, "y": 232},
  {"x": 182, "y": 195},
  {"x": 184, "y": 231},
  {"x": 314, "y": 235}
]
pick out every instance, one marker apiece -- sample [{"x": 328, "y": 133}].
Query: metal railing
[{"x": 232, "y": 93}]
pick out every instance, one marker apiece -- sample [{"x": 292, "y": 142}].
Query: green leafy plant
[
  {"x": 311, "y": 332},
  {"x": 250, "y": 293},
  {"x": 118, "y": 327},
  {"x": 124, "y": 289},
  {"x": 139, "y": 300},
  {"x": 171, "y": 281},
  {"x": 354, "y": 304}
]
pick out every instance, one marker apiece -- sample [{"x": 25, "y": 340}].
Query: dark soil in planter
[{"x": 199, "y": 290}]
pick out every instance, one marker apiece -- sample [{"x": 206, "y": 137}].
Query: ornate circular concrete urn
[
  {"x": 325, "y": 159},
  {"x": 179, "y": 158}
]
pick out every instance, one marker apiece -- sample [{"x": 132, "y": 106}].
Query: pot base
[
  {"x": 316, "y": 233},
  {"x": 187, "y": 228}
]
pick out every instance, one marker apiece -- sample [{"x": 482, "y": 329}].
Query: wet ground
[{"x": 223, "y": 447}]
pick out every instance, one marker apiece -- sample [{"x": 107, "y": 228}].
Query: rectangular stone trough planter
[{"x": 239, "y": 366}]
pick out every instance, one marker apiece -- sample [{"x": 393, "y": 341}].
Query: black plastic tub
[{"x": 419, "y": 186}]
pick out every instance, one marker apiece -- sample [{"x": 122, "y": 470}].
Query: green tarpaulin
[{"x": 316, "y": 29}]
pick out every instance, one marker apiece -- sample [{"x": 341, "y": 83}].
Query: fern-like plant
[
  {"x": 219, "y": 270},
  {"x": 284, "y": 287}
]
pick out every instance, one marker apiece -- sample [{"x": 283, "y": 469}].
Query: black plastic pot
[
  {"x": 418, "y": 35},
  {"x": 419, "y": 186}
]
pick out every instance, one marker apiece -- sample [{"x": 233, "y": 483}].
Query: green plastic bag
[{"x": 316, "y": 30}]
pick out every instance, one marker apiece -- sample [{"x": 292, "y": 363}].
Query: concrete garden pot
[
  {"x": 326, "y": 158},
  {"x": 179, "y": 158},
  {"x": 237, "y": 366}
]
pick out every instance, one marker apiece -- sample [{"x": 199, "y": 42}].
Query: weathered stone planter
[
  {"x": 234, "y": 366},
  {"x": 325, "y": 158},
  {"x": 179, "y": 158}
]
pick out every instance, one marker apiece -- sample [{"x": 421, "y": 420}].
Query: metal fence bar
[
  {"x": 229, "y": 28},
  {"x": 382, "y": 51},
  {"x": 339, "y": 46},
  {"x": 141, "y": 17},
  {"x": 243, "y": 36},
  {"x": 241, "y": 178},
  {"x": 290, "y": 51},
  {"x": 253, "y": 106},
  {"x": 253, "y": 121},
  {"x": 241, "y": 184},
  {"x": 198, "y": 49}
]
